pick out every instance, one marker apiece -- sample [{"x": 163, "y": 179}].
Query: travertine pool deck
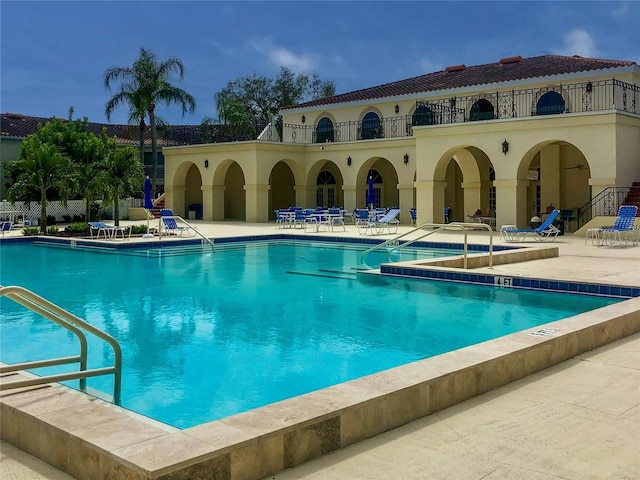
[{"x": 579, "y": 419}]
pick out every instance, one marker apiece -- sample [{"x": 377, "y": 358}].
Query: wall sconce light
[
  {"x": 304, "y": 119},
  {"x": 406, "y": 158},
  {"x": 505, "y": 146},
  {"x": 206, "y": 163},
  {"x": 589, "y": 87},
  {"x": 349, "y": 161},
  {"x": 397, "y": 109}
]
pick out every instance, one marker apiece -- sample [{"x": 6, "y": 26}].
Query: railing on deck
[{"x": 606, "y": 203}]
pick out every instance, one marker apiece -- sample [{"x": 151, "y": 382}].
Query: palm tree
[
  {"x": 42, "y": 168},
  {"x": 121, "y": 176},
  {"x": 143, "y": 86}
]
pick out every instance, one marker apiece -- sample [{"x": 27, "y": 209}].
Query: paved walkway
[{"x": 579, "y": 420}]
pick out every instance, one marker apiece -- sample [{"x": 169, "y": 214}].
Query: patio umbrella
[
  {"x": 148, "y": 203},
  {"x": 371, "y": 199}
]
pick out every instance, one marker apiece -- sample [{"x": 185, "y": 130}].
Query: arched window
[
  {"x": 422, "y": 115},
  {"x": 550, "y": 103},
  {"x": 481, "y": 110},
  {"x": 371, "y": 127},
  {"x": 324, "y": 130},
  {"x": 325, "y": 177}
]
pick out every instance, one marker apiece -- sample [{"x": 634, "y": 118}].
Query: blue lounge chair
[
  {"x": 623, "y": 231},
  {"x": 5, "y": 227},
  {"x": 171, "y": 227},
  {"x": 99, "y": 228},
  {"x": 389, "y": 220},
  {"x": 545, "y": 232}
]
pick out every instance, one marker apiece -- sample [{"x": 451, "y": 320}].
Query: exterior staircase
[
  {"x": 157, "y": 206},
  {"x": 633, "y": 197}
]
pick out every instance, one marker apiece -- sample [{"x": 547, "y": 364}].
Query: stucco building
[{"x": 513, "y": 136}]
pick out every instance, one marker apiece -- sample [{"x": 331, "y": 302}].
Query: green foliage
[
  {"x": 79, "y": 227},
  {"x": 143, "y": 86},
  {"x": 122, "y": 175},
  {"x": 52, "y": 230},
  {"x": 257, "y": 98},
  {"x": 138, "y": 229},
  {"x": 51, "y": 220},
  {"x": 30, "y": 231}
]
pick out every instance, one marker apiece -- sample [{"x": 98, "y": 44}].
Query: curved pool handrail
[{"x": 77, "y": 326}]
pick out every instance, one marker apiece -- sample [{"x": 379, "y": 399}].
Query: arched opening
[
  {"x": 193, "y": 193},
  {"x": 550, "y": 103},
  {"x": 326, "y": 189},
  {"x": 371, "y": 127},
  {"x": 324, "y": 131},
  {"x": 385, "y": 184},
  {"x": 282, "y": 193},
  {"x": 482, "y": 110},
  {"x": 235, "y": 202}
]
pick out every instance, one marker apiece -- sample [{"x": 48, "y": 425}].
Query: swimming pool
[{"x": 209, "y": 335}]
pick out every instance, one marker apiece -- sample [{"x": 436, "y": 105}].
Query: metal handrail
[
  {"x": 178, "y": 217},
  {"x": 67, "y": 320},
  {"x": 438, "y": 228}
]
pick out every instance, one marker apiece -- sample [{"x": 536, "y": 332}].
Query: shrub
[
  {"x": 94, "y": 211},
  {"x": 52, "y": 230},
  {"x": 78, "y": 218},
  {"x": 67, "y": 218},
  {"x": 51, "y": 220},
  {"x": 138, "y": 229},
  {"x": 30, "y": 231},
  {"x": 79, "y": 227}
]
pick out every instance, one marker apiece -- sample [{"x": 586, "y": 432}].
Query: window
[
  {"x": 422, "y": 115},
  {"x": 324, "y": 130},
  {"x": 481, "y": 110},
  {"x": 371, "y": 127},
  {"x": 550, "y": 103}
]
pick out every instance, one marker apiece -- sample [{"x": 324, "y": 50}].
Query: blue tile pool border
[
  {"x": 580, "y": 288},
  {"x": 500, "y": 281}
]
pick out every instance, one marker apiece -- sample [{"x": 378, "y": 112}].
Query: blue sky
[{"x": 54, "y": 54}]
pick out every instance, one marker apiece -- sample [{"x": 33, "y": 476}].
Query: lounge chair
[
  {"x": 623, "y": 231},
  {"x": 5, "y": 227},
  {"x": 171, "y": 227},
  {"x": 98, "y": 228},
  {"x": 389, "y": 220},
  {"x": 545, "y": 232}
]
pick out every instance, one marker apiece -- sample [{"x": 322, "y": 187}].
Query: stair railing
[
  {"x": 75, "y": 325},
  {"x": 606, "y": 203}
]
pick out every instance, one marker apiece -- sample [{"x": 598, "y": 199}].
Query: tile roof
[
  {"x": 459, "y": 76},
  {"x": 19, "y": 126}
]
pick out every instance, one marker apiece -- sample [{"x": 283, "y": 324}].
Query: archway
[
  {"x": 282, "y": 193},
  {"x": 235, "y": 202},
  {"x": 327, "y": 178},
  {"x": 385, "y": 183}
]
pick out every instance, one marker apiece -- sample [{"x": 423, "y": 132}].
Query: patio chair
[
  {"x": 545, "y": 232},
  {"x": 414, "y": 215},
  {"x": 336, "y": 217},
  {"x": 388, "y": 221},
  {"x": 99, "y": 228},
  {"x": 171, "y": 227},
  {"x": 5, "y": 227},
  {"x": 361, "y": 219},
  {"x": 623, "y": 230}
]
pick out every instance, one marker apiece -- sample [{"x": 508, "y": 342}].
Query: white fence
[{"x": 74, "y": 208}]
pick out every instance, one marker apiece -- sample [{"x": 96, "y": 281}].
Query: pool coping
[{"x": 89, "y": 438}]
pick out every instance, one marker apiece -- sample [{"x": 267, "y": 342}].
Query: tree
[
  {"x": 258, "y": 99},
  {"x": 143, "y": 85},
  {"x": 121, "y": 175},
  {"x": 41, "y": 168}
]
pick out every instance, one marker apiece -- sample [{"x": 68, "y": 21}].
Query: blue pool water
[{"x": 208, "y": 335}]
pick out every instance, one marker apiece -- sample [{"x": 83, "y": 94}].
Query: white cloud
[
  {"x": 577, "y": 42},
  {"x": 621, "y": 11},
  {"x": 281, "y": 56}
]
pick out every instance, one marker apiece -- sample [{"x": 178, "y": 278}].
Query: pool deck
[{"x": 578, "y": 419}]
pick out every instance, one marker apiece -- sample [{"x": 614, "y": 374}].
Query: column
[
  {"x": 405, "y": 193},
  {"x": 257, "y": 197},
  {"x": 430, "y": 202},
  {"x": 511, "y": 203},
  {"x": 472, "y": 199},
  {"x": 350, "y": 193}
]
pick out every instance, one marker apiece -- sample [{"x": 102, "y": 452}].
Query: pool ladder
[
  {"x": 395, "y": 244},
  {"x": 75, "y": 325}
]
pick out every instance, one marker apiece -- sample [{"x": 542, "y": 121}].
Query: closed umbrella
[
  {"x": 148, "y": 203},
  {"x": 371, "y": 199}
]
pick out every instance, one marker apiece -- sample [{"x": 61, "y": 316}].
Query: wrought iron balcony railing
[{"x": 558, "y": 99}]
